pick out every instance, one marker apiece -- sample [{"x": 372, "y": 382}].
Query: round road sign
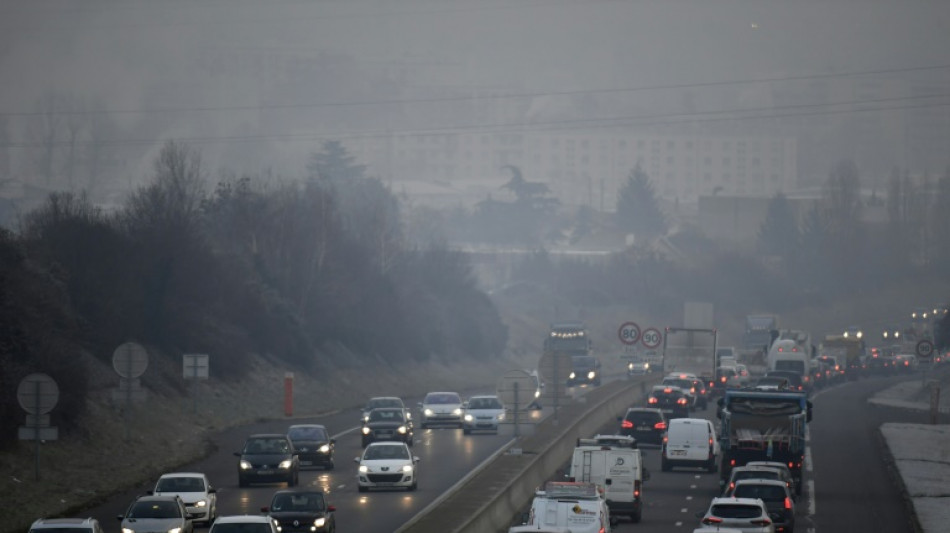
[
  {"x": 37, "y": 394},
  {"x": 651, "y": 338},
  {"x": 925, "y": 349},
  {"x": 130, "y": 360},
  {"x": 629, "y": 333},
  {"x": 516, "y": 389}
]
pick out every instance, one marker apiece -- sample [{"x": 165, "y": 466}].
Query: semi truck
[
  {"x": 573, "y": 339},
  {"x": 763, "y": 426},
  {"x": 847, "y": 353},
  {"x": 758, "y": 335},
  {"x": 690, "y": 351}
]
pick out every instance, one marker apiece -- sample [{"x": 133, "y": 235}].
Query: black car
[
  {"x": 268, "y": 458},
  {"x": 301, "y": 510},
  {"x": 692, "y": 386},
  {"x": 313, "y": 445},
  {"x": 646, "y": 424},
  {"x": 673, "y": 401},
  {"x": 795, "y": 380},
  {"x": 388, "y": 423}
]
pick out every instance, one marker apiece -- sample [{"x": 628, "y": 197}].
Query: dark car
[
  {"x": 301, "y": 510},
  {"x": 692, "y": 385},
  {"x": 388, "y": 423},
  {"x": 795, "y": 381},
  {"x": 673, "y": 401},
  {"x": 646, "y": 424},
  {"x": 313, "y": 445},
  {"x": 585, "y": 370},
  {"x": 268, "y": 458},
  {"x": 777, "y": 498}
]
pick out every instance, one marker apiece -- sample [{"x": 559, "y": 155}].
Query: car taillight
[
  {"x": 791, "y": 464},
  {"x": 636, "y": 489},
  {"x": 763, "y": 522},
  {"x": 652, "y": 400},
  {"x": 692, "y": 390},
  {"x": 626, "y": 424},
  {"x": 659, "y": 425},
  {"x": 723, "y": 379},
  {"x": 681, "y": 401},
  {"x": 788, "y": 503},
  {"x": 712, "y": 520},
  {"x": 732, "y": 462}
]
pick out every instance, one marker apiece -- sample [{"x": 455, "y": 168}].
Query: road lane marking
[
  {"x": 344, "y": 432},
  {"x": 688, "y": 498},
  {"x": 808, "y": 466},
  {"x": 811, "y": 497},
  {"x": 679, "y": 524},
  {"x": 692, "y": 486},
  {"x": 684, "y": 509}
]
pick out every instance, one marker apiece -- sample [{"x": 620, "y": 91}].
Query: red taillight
[
  {"x": 712, "y": 520},
  {"x": 681, "y": 401},
  {"x": 626, "y": 424},
  {"x": 668, "y": 390},
  {"x": 732, "y": 486},
  {"x": 692, "y": 390},
  {"x": 791, "y": 464},
  {"x": 652, "y": 400},
  {"x": 723, "y": 379},
  {"x": 732, "y": 462},
  {"x": 636, "y": 489},
  {"x": 906, "y": 363},
  {"x": 659, "y": 425},
  {"x": 788, "y": 503}
]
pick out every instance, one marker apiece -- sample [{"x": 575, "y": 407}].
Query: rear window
[
  {"x": 794, "y": 366},
  {"x": 640, "y": 417},
  {"x": 756, "y": 474},
  {"x": 766, "y": 493},
  {"x": 736, "y": 511}
]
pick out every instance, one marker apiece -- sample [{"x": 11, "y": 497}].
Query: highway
[{"x": 847, "y": 488}]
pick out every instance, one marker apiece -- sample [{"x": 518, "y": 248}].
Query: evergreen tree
[{"x": 638, "y": 211}]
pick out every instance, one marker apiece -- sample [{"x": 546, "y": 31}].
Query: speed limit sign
[
  {"x": 629, "y": 333},
  {"x": 651, "y": 337}
]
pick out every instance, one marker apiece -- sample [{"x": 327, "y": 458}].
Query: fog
[{"x": 259, "y": 85}]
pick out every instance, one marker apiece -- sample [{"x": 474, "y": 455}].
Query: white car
[
  {"x": 244, "y": 524},
  {"x": 441, "y": 408},
  {"x": 387, "y": 465},
  {"x": 66, "y": 525},
  {"x": 744, "y": 514},
  {"x": 194, "y": 489},
  {"x": 482, "y": 413}
]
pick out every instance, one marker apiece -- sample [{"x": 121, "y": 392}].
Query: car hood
[
  {"x": 303, "y": 516},
  {"x": 385, "y": 465},
  {"x": 146, "y": 525},
  {"x": 385, "y": 424},
  {"x": 442, "y": 407},
  {"x": 186, "y": 496},
  {"x": 299, "y": 444},
  {"x": 266, "y": 457}
]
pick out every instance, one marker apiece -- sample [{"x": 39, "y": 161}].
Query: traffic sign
[
  {"x": 37, "y": 394},
  {"x": 925, "y": 349},
  {"x": 629, "y": 333},
  {"x": 130, "y": 360},
  {"x": 651, "y": 338},
  {"x": 516, "y": 389}
]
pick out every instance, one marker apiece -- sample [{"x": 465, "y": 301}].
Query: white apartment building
[{"x": 587, "y": 168}]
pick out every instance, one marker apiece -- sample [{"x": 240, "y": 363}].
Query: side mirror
[
  {"x": 356, "y": 459},
  {"x": 212, "y": 490},
  {"x": 119, "y": 517},
  {"x": 237, "y": 454},
  {"x": 415, "y": 459}
]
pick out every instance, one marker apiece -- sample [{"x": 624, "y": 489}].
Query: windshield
[
  {"x": 307, "y": 433},
  {"x": 484, "y": 403},
  {"x": 154, "y": 509},
  {"x": 385, "y": 415},
  {"x": 383, "y": 402},
  {"x": 250, "y": 527},
  {"x": 180, "y": 484},
  {"x": 386, "y": 452},
  {"x": 275, "y": 446},
  {"x": 584, "y": 361},
  {"x": 290, "y": 502},
  {"x": 443, "y": 398}
]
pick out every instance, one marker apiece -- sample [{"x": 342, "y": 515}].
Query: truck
[
  {"x": 573, "y": 339},
  {"x": 758, "y": 425},
  {"x": 847, "y": 352},
  {"x": 690, "y": 351},
  {"x": 758, "y": 335}
]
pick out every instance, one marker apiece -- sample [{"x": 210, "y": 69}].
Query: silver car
[
  {"x": 482, "y": 413},
  {"x": 194, "y": 489},
  {"x": 747, "y": 515},
  {"x": 151, "y": 514},
  {"x": 441, "y": 408}
]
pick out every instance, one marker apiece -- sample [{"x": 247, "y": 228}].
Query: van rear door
[{"x": 622, "y": 471}]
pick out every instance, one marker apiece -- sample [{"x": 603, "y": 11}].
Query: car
[
  {"x": 905, "y": 362},
  {"x": 151, "y": 513},
  {"x": 382, "y": 401},
  {"x": 387, "y": 423},
  {"x": 673, "y": 401},
  {"x": 194, "y": 488},
  {"x": 482, "y": 413},
  {"x": 772, "y": 383},
  {"x": 387, "y": 465},
  {"x": 313, "y": 445},
  {"x": 244, "y": 524},
  {"x": 441, "y": 408},
  {"x": 743, "y": 375},
  {"x": 268, "y": 458},
  {"x": 749, "y": 515},
  {"x": 646, "y": 424},
  {"x": 690, "y": 442},
  {"x": 777, "y": 497},
  {"x": 301, "y": 511},
  {"x": 66, "y": 525},
  {"x": 795, "y": 380},
  {"x": 782, "y": 467},
  {"x": 757, "y": 472},
  {"x": 637, "y": 367},
  {"x": 725, "y": 378},
  {"x": 693, "y": 387}
]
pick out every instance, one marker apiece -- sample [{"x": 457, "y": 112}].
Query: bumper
[
  {"x": 624, "y": 508},
  {"x": 442, "y": 419},
  {"x": 315, "y": 459},
  {"x": 480, "y": 425},
  {"x": 386, "y": 481},
  {"x": 266, "y": 476}
]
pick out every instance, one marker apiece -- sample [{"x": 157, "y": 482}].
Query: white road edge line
[
  {"x": 811, "y": 497},
  {"x": 808, "y": 466}
]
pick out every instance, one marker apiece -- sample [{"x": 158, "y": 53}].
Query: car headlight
[
  {"x": 365, "y": 430},
  {"x": 320, "y": 522},
  {"x": 501, "y": 416},
  {"x": 468, "y": 418},
  {"x": 537, "y": 393},
  {"x": 428, "y": 412},
  {"x": 127, "y": 530},
  {"x": 629, "y": 366},
  {"x": 325, "y": 448},
  {"x": 245, "y": 465},
  {"x": 201, "y": 503},
  {"x": 407, "y": 468},
  {"x": 402, "y": 429},
  {"x": 285, "y": 464},
  {"x": 365, "y": 418},
  {"x": 364, "y": 469},
  {"x": 457, "y": 411},
  {"x": 591, "y": 374},
  {"x": 174, "y": 530},
  {"x": 572, "y": 375}
]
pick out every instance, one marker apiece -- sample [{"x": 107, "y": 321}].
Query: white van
[
  {"x": 787, "y": 354},
  {"x": 577, "y": 507},
  {"x": 618, "y": 473},
  {"x": 690, "y": 442}
]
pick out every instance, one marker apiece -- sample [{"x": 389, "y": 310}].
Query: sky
[{"x": 286, "y": 71}]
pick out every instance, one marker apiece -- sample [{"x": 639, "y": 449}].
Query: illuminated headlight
[
  {"x": 457, "y": 411},
  {"x": 537, "y": 393},
  {"x": 629, "y": 366},
  {"x": 366, "y": 430},
  {"x": 285, "y": 464},
  {"x": 469, "y": 418},
  {"x": 364, "y": 469},
  {"x": 646, "y": 366},
  {"x": 127, "y": 530},
  {"x": 860, "y": 334},
  {"x": 365, "y": 418},
  {"x": 591, "y": 374},
  {"x": 572, "y": 375},
  {"x": 897, "y": 334},
  {"x": 402, "y": 429},
  {"x": 245, "y": 465},
  {"x": 408, "y": 416},
  {"x": 325, "y": 448},
  {"x": 501, "y": 416},
  {"x": 407, "y": 468},
  {"x": 174, "y": 530},
  {"x": 201, "y": 503},
  {"x": 320, "y": 522},
  {"x": 428, "y": 412}
]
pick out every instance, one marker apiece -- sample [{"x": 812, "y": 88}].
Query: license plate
[
  {"x": 677, "y": 452},
  {"x": 384, "y": 483},
  {"x": 265, "y": 472},
  {"x": 643, "y": 429}
]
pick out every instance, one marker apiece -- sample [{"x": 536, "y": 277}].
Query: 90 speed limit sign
[
  {"x": 651, "y": 338},
  {"x": 629, "y": 333}
]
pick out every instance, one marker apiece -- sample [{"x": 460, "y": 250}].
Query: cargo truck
[
  {"x": 847, "y": 353},
  {"x": 690, "y": 351},
  {"x": 763, "y": 426}
]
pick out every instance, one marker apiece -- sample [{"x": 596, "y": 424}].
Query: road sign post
[
  {"x": 516, "y": 389},
  {"x": 37, "y": 395},
  {"x": 130, "y": 361},
  {"x": 195, "y": 367}
]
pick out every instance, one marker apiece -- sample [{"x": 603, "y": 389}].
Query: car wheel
[
  {"x": 361, "y": 488},
  {"x": 466, "y": 431},
  {"x": 242, "y": 482},
  {"x": 635, "y": 517},
  {"x": 664, "y": 466}
]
